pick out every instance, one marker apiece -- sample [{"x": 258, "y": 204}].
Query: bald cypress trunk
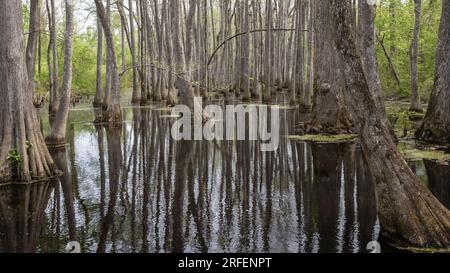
[
  {"x": 23, "y": 153},
  {"x": 33, "y": 36},
  {"x": 54, "y": 92},
  {"x": 416, "y": 106},
  {"x": 310, "y": 63},
  {"x": 108, "y": 78},
  {"x": 267, "y": 94},
  {"x": 329, "y": 114},
  {"x": 409, "y": 214},
  {"x": 112, "y": 113},
  {"x": 368, "y": 51},
  {"x": 58, "y": 133},
  {"x": 182, "y": 81},
  {"x": 157, "y": 94},
  {"x": 436, "y": 125},
  {"x": 98, "y": 100},
  {"x": 244, "y": 81},
  {"x": 136, "y": 96}
]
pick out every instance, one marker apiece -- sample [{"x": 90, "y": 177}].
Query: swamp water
[{"x": 131, "y": 188}]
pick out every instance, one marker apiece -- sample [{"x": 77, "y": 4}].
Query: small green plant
[{"x": 14, "y": 156}]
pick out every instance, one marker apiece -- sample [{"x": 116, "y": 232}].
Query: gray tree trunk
[
  {"x": 307, "y": 101},
  {"x": 416, "y": 105},
  {"x": 189, "y": 24},
  {"x": 182, "y": 81},
  {"x": 368, "y": 51},
  {"x": 108, "y": 78},
  {"x": 136, "y": 95},
  {"x": 267, "y": 94},
  {"x": 244, "y": 80},
  {"x": 58, "y": 132},
  {"x": 113, "y": 112},
  {"x": 19, "y": 130},
  {"x": 157, "y": 94},
  {"x": 54, "y": 101},
  {"x": 33, "y": 36},
  {"x": 329, "y": 114},
  {"x": 408, "y": 212},
  {"x": 299, "y": 55},
  {"x": 436, "y": 126},
  {"x": 98, "y": 100}
]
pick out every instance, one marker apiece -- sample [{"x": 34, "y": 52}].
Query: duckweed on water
[
  {"x": 413, "y": 154},
  {"x": 343, "y": 138}
]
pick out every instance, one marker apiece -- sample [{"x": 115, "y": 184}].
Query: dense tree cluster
[{"x": 332, "y": 58}]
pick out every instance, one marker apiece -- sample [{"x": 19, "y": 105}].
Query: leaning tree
[
  {"x": 436, "y": 125},
  {"x": 23, "y": 153},
  {"x": 409, "y": 213},
  {"x": 111, "y": 104},
  {"x": 58, "y": 132}
]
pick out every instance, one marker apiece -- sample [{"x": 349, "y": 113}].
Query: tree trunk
[
  {"x": 108, "y": 78},
  {"x": 182, "y": 81},
  {"x": 49, "y": 54},
  {"x": 367, "y": 36},
  {"x": 113, "y": 113},
  {"x": 310, "y": 71},
  {"x": 54, "y": 102},
  {"x": 33, "y": 36},
  {"x": 329, "y": 114},
  {"x": 368, "y": 51},
  {"x": 267, "y": 95},
  {"x": 136, "y": 96},
  {"x": 409, "y": 214},
  {"x": 416, "y": 106},
  {"x": 157, "y": 94},
  {"x": 244, "y": 81},
  {"x": 436, "y": 125},
  {"x": 189, "y": 23},
  {"x": 58, "y": 133},
  {"x": 98, "y": 100},
  {"x": 19, "y": 130},
  {"x": 299, "y": 55}
]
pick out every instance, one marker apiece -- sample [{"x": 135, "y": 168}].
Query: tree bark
[
  {"x": 436, "y": 125},
  {"x": 299, "y": 55},
  {"x": 98, "y": 100},
  {"x": 416, "y": 105},
  {"x": 136, "y": 95},
  {"x": 244, "y": 80},
  {"x": 19, "y": 129},
  {"x": 33, "y": 36},
  {"x": 310, "y": 71},
  {"x": 267, "y": 94},
  {"x": 329, "y": 114},
  {"x": 368, "y": 51},
  {"x": 182, "y": 81},
  {"x": 409, "y": 214},
  {"x": 157, "y": 94},
  {"x": 113, "y": 112},
  {"x": 108, "y": 78},
  {"x": 58, "y": 133},
  {"x": 54, "y": 102}
]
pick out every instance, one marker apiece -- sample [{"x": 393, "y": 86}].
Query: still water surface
[{"x": 131, "y": 188}]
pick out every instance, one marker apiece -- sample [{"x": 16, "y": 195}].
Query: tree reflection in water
[{"x": 132, "y": 188}]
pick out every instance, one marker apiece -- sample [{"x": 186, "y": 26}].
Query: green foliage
[
  {"x": 84, "y": 60},
  {"x": 395, "y": 25},
  {"x": 14, "y": 157}
]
